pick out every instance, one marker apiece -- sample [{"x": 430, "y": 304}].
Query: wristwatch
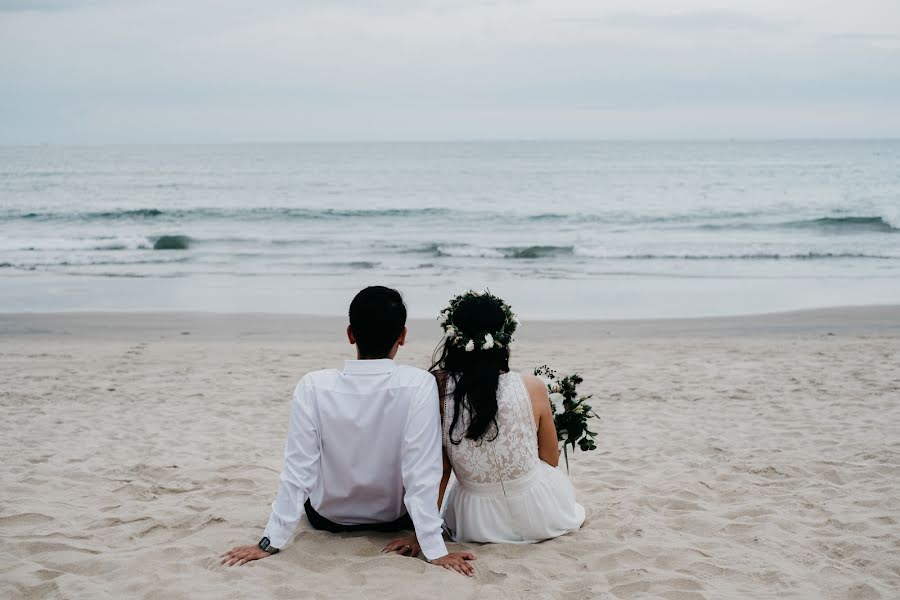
[{"x": 265, "y": 544}]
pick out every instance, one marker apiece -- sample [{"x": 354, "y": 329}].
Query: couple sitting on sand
[{"x": 364, "y": 446}]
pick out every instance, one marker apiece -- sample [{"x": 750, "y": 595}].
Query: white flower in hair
[
  {"x": 488, "y": 342},
  {"x": 470, "y": 346}
]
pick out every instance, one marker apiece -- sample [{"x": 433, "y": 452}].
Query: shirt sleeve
[
  {"x": 422, "y": 468},
  {"x": 301, "y": 467}
]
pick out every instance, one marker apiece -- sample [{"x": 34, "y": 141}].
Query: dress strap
[
  {"x": 446, "y": 396},
  {"x": 525, "y": 402}
]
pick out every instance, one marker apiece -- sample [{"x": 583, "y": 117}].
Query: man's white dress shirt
[{"x": 364, "y": 446}]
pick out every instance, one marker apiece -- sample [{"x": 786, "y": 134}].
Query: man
[{"x": 363, "y": 449}]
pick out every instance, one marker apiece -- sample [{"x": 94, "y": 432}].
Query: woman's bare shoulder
[{"x": 535, "y": 386}]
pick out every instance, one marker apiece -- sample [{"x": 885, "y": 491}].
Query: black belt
[{"x": 321, "y": 523}]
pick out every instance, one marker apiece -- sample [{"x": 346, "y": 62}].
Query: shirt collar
[{"x": 369, "y": 367}]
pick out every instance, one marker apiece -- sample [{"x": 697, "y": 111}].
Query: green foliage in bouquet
[{"x": 570, "y": 412}]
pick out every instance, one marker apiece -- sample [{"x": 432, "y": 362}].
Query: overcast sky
[{"x": 81, "y": 71}]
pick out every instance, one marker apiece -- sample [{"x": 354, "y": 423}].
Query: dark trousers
[{"x": 320, "y": 522}]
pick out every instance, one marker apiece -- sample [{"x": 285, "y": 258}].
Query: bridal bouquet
[{"x": 570, "y": 412}]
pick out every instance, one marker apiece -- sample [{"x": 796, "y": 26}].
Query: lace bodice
[{"x": 512, "y": 454}]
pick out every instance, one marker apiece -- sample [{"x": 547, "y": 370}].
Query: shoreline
[
  {"x": 604, "y": 297},
  {"x": 266, "y": 326}
]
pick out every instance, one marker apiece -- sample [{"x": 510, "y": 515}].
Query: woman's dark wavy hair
[{"x": 475, "y": 374}]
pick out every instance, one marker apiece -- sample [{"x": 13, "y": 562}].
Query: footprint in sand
[{"x": 24, "y": 520}]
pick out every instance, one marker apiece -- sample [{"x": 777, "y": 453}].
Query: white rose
[
  {"x": 488, "y": 342},
  {"x": 557, "y": 400},
  {"x": 451, "y": 331},
  {"x": 470, "y": 345}
]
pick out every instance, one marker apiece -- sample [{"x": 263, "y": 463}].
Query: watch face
[{"x": 264, "y": 543}]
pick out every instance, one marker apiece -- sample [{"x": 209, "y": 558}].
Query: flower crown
[{"x": 484, "y": 340}]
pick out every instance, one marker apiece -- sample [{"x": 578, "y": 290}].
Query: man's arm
[
  {"x": 422, "y": 468},
  {"x": 301, "y": 469}
]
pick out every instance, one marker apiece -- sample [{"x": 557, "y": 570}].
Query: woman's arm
[
  {"x": 445, "y": 478},
  {"x": 548, "y": 443},
  {"x": 441, "y": 378}
]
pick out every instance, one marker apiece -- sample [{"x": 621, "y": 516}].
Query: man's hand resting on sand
[
  {"x": 407, "y": 546},
  {"x": 456, "y": 561},
  {"x": 243, "y": 554}
]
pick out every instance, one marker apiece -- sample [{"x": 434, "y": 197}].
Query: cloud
[
  {"x": 871, "y": 40},
  {"x": 696, "y": 20},
  {"x": 41, "y": 5}
]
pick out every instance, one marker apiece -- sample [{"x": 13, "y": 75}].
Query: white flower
[
  {"x": 557, "y": 400},
  {"x": 451, "y": 331},
  {"x": 470, "y": 345},
  {"x": 488, "y": 342},
  {"x": 555, "y": 388}
]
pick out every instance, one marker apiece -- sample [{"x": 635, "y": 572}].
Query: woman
[{"x": 499, "y": 438}]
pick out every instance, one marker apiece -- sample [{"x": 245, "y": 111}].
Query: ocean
[{"x": 562, "y": 229}]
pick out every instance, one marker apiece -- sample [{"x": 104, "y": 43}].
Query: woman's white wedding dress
[{"x": 503, "y": 492}]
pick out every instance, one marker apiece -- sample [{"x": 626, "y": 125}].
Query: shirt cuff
[
  {"x": 433, "y": 546},
  {"x": 278, "y": 535}
]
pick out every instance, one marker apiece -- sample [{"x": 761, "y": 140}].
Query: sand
[{"x": 753, "y": 457}]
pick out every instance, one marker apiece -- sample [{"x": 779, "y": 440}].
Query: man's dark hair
[{"x": 377, "y": 318}]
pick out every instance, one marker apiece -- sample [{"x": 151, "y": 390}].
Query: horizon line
[{"x": 729, "y": 139}]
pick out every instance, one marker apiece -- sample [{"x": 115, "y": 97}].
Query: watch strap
[{"x": 266, "y": 545}]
